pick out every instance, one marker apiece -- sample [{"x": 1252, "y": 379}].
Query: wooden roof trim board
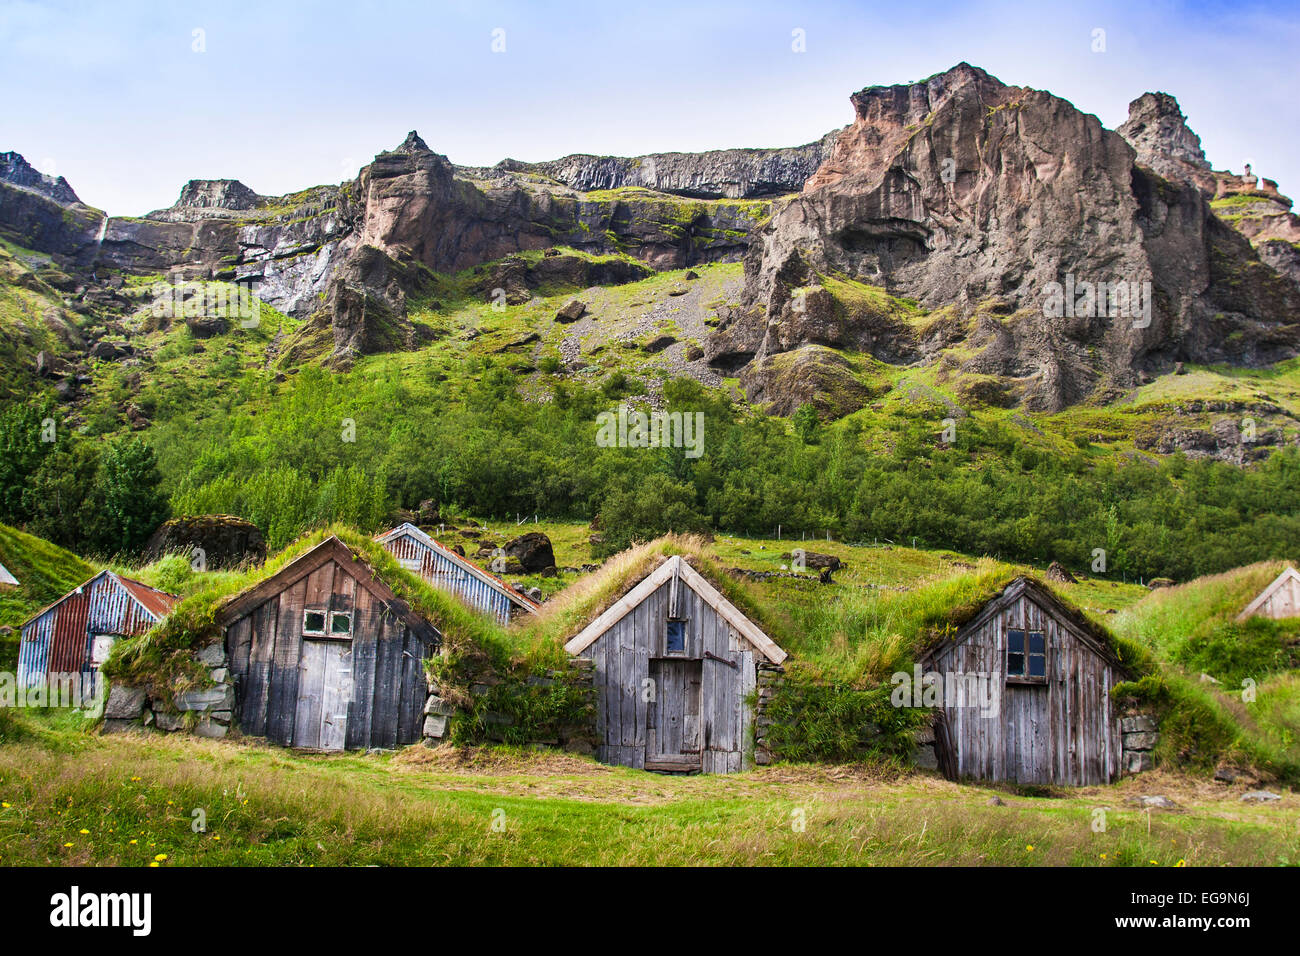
[
  {"x": 731, "y": 614},
  {"x": 485, "y": 576},
  {"x": 675, "y": 567},
  {"x": 331, "y": 549},
  {"x": 1037, "y": 592},
  {"x": 1287, "y": 574},
  {"x": 157, "y": 604}
]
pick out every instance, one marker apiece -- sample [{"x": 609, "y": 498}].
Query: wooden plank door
[
  {"x": 336, "y": 695},
  {"x": 311, "y": 686},
  {"x": 324, "y": 692},
  {"x": 673, "y": 718}
]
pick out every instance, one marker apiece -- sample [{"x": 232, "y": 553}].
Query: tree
[
  {"x": 28, "y": 434},
  {"x": 61, "y": 500},
  {"x": 805, "y": 424},
  {"x": 643, "y": 510},
  {"x": 133, "y": 506}
]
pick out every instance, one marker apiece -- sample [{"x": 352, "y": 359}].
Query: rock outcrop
[
  {"x": 1163, "y": 142},
  {"x": 997, "y": 229},
  {"x": 966, "y": 195},
  {"x": 16, "y": 171},
  {"x": 721, "y": 173},
  {"x": 202, "y": 199},
  {"x": 222, "y": 541}
]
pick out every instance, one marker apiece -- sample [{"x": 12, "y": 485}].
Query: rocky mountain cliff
[
  {"x": 990, "y": 206},
  {"x": 722, "y": 173},
  {"x": 949, "y": 223},
  {"x": 16, "y": 171}
]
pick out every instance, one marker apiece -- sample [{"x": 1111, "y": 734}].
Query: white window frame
[
  {"x": 325, "y": 618},
  {"x": 339, "y": 635}
]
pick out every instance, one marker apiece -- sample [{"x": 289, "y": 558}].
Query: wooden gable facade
[
  {"x": 1280, "y": 599},
  {"x": 445, "y": 569},
  {"x": 326, "y": 657},
  {"x": 1054, "y": 721},
  {"x": 75, "y": 633},
  {"x": 674, "y": 663}
]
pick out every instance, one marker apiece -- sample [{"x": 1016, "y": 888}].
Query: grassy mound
[{"x": 45, "y": 573}]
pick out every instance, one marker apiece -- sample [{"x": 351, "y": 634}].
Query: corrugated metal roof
[
  {"x": 481, "y": 573},
  {"x": 61, "y": 637},
  {"x": 158, "y": 603}
]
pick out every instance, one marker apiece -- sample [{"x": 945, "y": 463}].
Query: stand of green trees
[
  {"x": 351, "y": 448},
  {"x": 93, "y": 495}
]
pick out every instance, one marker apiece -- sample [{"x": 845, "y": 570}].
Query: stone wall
[
  {"x": 770, "y": 678},
  {"x": 206, "y": 712},
  {"x": 575, "y": 737},
  {"x": 1141, "y": 733}
]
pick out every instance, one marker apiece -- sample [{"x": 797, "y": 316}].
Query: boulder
[
  {"x": 110, "y": 351},
  {"x": 1156, "y": 802},
  {"x": 1260, "y": 796},
  {"x": 1139, "y": 724},
  {"x": 1137, "y": 761},
  {"x": 210, "y": 728},
  {"x": 212, "y": 655},
  {"x": 1059, "y": 573},
  {"x": 49, "y": 365},
  {"x": 1140, "y": 741},
  {"x": 167, "y": 721},
  {"x": 814, "y": 560},
  {"x": 533, "y": 552},
  {"x": 221, "y": 697},
  {"x": 226, "y": 541},
  {"x": 207, "y": 326},
  {"x": 572, "y": 311}
]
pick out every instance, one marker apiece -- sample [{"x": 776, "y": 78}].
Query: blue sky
[{"x": 286, "y": 95}]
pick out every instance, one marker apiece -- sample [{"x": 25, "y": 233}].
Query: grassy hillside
[
  {"x": 45, "y": 573},
  {"x": 1237, "y": 682},
  {"x": 493, "y": 413}
]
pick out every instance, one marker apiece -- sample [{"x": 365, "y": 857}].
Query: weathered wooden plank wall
[
  {"x": 1284, "y": 601},
  {"x": 629, "y": 727},
  {"x": 1064, "y": 730},
  {"x": 290, "y": 689}
]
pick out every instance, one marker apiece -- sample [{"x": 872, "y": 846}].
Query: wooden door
[
  {"x": 673, "y": 717},
  {"x": 324, "y": 693},
  {"x": 1028, "y": 749}
]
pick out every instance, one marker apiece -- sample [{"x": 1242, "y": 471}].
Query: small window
[
  {"x": 313, "y": 622},
  {"x": 675, "y": 643},
  {"x": 1026, "y": 655},
  {"x": 1015, "y": 652},
  {"x": 1037, "y": 655},
  {"x": 340, "y": 624}
]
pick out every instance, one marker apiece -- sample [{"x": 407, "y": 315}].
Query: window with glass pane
[
  {"x": 341, "y": 624},
  {"x": 1026, "y": 655},
  {"x": 1036, "y": 658},
  {"x": 1015, "y": 652},
  {"x": 313, "y": 622},
  {"x": 676, "y": 639}
]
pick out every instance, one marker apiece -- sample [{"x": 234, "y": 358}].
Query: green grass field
[{"x": 73, "y": 798}]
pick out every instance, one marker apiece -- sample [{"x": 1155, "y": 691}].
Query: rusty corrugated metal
[
  {"x": 158, "y": 603},
  {"x": 59, "y": 639}
]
